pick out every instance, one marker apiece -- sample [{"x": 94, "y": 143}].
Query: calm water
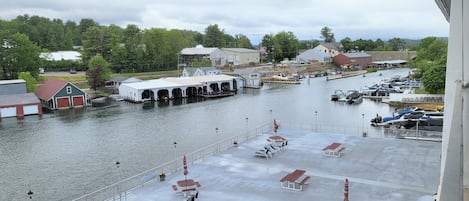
[{"x": 64, "y": 155}]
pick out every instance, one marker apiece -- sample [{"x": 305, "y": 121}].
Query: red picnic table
[
  {"x": 294, "y": 180},
  {"x": 186, "y": 186}
]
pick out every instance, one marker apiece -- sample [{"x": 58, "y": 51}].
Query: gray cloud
[{"x": 369, "y": 19}]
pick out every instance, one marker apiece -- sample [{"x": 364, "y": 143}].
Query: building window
[{"x": 69, "y": 89}]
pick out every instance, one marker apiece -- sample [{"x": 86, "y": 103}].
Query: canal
[{"x": 69, "y": 153}]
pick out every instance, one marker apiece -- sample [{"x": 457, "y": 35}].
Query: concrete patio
[{"x": 378, "y": 169}]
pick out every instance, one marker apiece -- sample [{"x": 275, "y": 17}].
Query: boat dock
[{"x": 346, "y": 75}]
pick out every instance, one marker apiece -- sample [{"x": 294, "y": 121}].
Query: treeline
[
  {"x": 132, "y": 49},
  {"x": 129, "y": 49}
]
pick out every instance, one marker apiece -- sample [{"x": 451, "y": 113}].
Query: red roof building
[
  {"x": 353, "y": 61},
  {"x": 57, "y": 94}
]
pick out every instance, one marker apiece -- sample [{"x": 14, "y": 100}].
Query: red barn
[{"x": 353, "y": 60}]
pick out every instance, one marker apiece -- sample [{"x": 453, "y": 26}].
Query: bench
[{"x": 188, "y": 189}]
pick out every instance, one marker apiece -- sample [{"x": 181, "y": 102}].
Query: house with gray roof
[
  {"x": 313, "y": 55},
  {"x": 198, "y": 53},
  {"x": 333, "y": 49}
]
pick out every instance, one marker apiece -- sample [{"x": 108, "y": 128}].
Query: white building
[
  {"x": 241, "y": 56},
  {"x": 178, "y": 87},
  {"x": 190, "y": 55},
  {"x": 61, "y": 55},
  {"x": 332, "y": 49}
]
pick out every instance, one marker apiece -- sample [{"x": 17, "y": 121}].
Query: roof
[
  {"x": 61, "y": 55},
  {"x": 178, "y": 81},
  {"x": 12, "y": 81},
  {"x": 49, "y": 89},
  {"x": 390, "y": 62},
  {"x": 150, "y": 84},
  {"x": 240, "y": 50},
  {"x": 356, "y": 55},
  {"x": 445, "y": 7},
  {"x": 332, "y": 146},
  {"x": 205, "y": 69},
  {"x": 18, "y": 99},
  {"x": 132, "y": 79},
  {"x": 198, "y": 50},
  {"x": 308, "y": 54},
  {"x": 294, "y": 176}
]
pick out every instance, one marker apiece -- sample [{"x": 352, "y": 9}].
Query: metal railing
[{"x": 119, "y": 190}]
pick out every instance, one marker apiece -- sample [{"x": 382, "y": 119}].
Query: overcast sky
[{"x": 366, "y": 19}]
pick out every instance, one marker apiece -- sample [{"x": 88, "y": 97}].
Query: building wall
[
  {"x": 75, "y": 92},
  {"x": 362, "y": 61},
  {"x": 341, "y": 59},
  {"x": 242, "y": 58},
  {"x": 392, "y": 55},
  {"x": 218, "y": 58},
  {"x": 332, "y": 53}
]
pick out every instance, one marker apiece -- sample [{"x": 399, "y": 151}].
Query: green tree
[
  {"x": 158, "y": 51},
  {"x": 348, "y": 44},
  {"x": 99, "y": 41},
  {"x": 72, "y": 31},
  {"x": 31, "y": 82},
  {"x": 203, "y": 63},
  {"x": 327, "y": 35},
  {"x": 397, "y": 44},
  {"x": 98, "y": 72},
  {"x": 268, "y": 43},
  {"x": 213, "y": 36},
  {"x": 243, "y": 41},
  {"x": 286, "y": 45},
  {"x": 434, "y": 79},
  {"x": 18, "y": 54},
  {"x": 380, "y": 45}
]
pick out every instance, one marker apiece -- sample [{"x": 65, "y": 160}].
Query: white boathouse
[{"x": 179, "y": 87}]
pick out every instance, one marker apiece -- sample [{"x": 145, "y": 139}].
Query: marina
[{"x": 71, "y": 153}]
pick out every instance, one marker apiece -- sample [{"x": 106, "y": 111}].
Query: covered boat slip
[{"x": 178, "y": 87}]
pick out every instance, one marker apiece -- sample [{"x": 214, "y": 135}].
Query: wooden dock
[{"x": 346, "y": 75}]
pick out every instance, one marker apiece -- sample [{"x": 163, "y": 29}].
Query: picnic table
[
  {"x": 294, "y": 180},
  {"x": 335, "y": 150},
  {"x": 186, "y": 186}
]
